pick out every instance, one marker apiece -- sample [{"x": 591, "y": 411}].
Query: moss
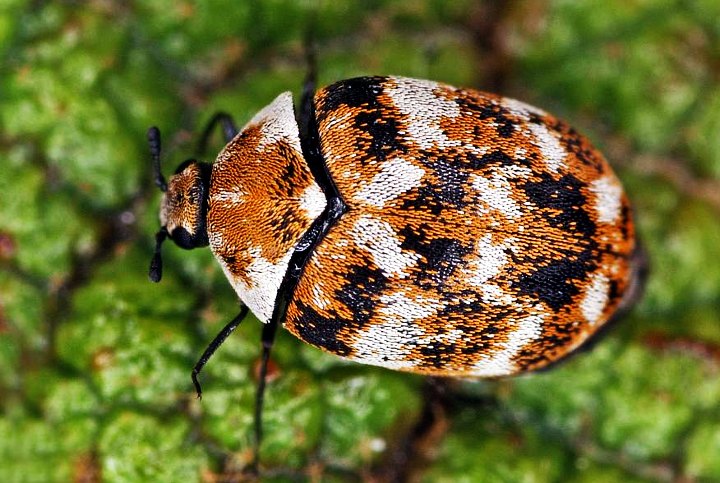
[{"x": 96, "y": 360}]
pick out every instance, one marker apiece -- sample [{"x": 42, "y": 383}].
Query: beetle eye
[{"x": 193, "y": 196}]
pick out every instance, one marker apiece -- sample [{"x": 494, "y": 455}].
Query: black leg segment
[
  {"x": 229, "y": 130},
  {"x": 268, "y": 339},
  {"x": 307, "y": 108},
  {"x": 217, "y": 342},
  {"x": 155, "y": 144}
]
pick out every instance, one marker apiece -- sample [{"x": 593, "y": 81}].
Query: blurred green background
[{"x": 95, "y": 360}]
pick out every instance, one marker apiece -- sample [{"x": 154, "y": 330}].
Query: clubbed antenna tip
[{"x": 155, "y": 272}]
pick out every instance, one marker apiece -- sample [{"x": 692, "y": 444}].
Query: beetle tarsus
[{"x": 196, "y": 383}]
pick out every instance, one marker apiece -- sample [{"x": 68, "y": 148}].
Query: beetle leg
[
  {"x": 212, "y": 347},
  {"x": 308, "y": 92},
  {"x": 640, "y": 265},
  {"x": 268, "y": 338},
  {"x": 229, "y": 130}
]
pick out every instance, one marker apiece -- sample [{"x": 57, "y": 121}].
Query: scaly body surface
[{"x": 479, "y": 236}]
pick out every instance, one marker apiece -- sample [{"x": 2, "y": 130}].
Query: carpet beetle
[{"x": 413, "y": 225}]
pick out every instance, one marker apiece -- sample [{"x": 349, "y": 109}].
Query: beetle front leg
[
  {"x": 229, "y": 130},
  {"x": 213, "y": 346}
]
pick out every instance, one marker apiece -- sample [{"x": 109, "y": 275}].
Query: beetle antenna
[
  {"x": 155, "y": 272},
  {"x": 153, "y": 136}
]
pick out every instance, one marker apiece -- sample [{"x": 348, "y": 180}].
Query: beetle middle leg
[{"x": 268, "y": 339}]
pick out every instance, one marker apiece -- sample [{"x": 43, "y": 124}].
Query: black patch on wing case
[
  {"x": 384, "y": 134},
  {"x": 357, "y": 92},
  {"x": 321, "y": 331},
  {"x": 440, "y": 257},
  {"x": 554, "y": 282},
  {"x": 360, "y": 292},
  {"x": 562, "y": 203},
  {"x": 362, "y": 93}
]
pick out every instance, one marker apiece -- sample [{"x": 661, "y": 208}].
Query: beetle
[{"x": 410, "y": 224}]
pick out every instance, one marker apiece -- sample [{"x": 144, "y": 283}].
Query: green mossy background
[{"x": 95, "y": 360}]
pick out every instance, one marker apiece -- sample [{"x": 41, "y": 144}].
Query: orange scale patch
[
  {"x": 482, "y": 258},
  {"x": 262, "y": 200},
  {"x": 254, "y": 203}
]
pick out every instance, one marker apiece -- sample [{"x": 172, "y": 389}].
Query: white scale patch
[
  {"x": 515, "y": 171},
  {"x": 277, "y": 123},
  {"x": 520, "y": 108},
  {"x": 608, "y": 198},
  {"x": 492, "y": 294},
  {"x": 216, "y": 241},
  {"x": 448, "y": 337},
  {"x": 416, "y": 99},
  {"x": 313, "y": 201},
  {"x": 595, "y": 299},
  {"x": 389, "y": 343},
  {"x": 379, "y": 238},
  {"x": 490, "y": 260},
  {"x": 495, "y": 192},
  {"x": 500, "y": 363},
  {"x": 553, "y": 152},
  {"x": 319, "y": 298},
  {"x": 382, "y": 345},
  {"x": 396, "y": 177},
  {"x": 232, "y": 196},
  {"x": 407, "y": 308},
  {"x": 266, "y": 277}
]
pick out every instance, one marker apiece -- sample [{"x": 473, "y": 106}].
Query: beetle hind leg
[{"x": 307, "y": 107}]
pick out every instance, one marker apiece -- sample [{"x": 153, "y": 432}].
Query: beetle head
[{"x": 184, "y": 204}]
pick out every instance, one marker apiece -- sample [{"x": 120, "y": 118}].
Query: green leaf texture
[{"x": 96, "y": 360}]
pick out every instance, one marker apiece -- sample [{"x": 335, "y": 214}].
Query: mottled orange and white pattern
[
  {"x": 478, "y": 235},
  {"x": 262, "y": 199},
  {"x": 483, "y": 236}
]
